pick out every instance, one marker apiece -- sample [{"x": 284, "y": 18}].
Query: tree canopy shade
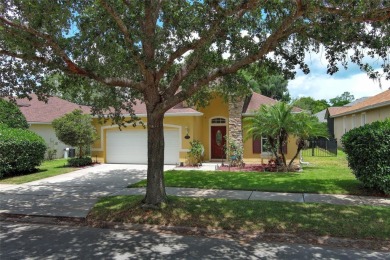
[{"x": 168, "y": 51}]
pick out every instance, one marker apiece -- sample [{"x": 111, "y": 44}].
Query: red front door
[{"x": 218, "y": 134}]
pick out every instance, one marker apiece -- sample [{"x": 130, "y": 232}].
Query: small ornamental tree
[
  {"x": 368, "y": 153},
  {"x": 11, "y": 115},
  {"x": 75, "y": 129}
]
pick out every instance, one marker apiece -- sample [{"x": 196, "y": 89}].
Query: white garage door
[{"x": 131, "y": 146}]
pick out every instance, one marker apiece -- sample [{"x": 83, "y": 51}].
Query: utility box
[
  {"x": 72, "y": 152},
  {"x": 66, "y": 153}
]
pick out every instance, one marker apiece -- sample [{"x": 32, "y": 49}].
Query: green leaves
[
  {"x": 277, "y": 122},
  {"x": 75, "y": 129},
  {"x": 368, "y": 148},
  {"x": 20, "y": 151},
  {"x": 11, "y": 115}
]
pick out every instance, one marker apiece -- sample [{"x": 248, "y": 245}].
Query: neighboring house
[
  {"x": 129, "y": 145},
  {"x": 325, "y": 116},
  {"x": 40, "y": 115},
  {"x": 371, "y": 109},
  {"x": 321, "y": 116}
]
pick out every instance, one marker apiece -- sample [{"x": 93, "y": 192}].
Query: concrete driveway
[{"x": 72, "y": 194}]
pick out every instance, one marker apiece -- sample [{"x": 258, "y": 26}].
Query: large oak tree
[{"x": 165, "y": 52}]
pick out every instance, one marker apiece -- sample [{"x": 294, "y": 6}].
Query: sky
[{"x": 320, "y": 85}]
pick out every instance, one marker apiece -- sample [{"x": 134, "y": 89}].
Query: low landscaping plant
[
  {"x": 79, "y": 162},
  {"x": 20, "y": 151},
  {"x": 368, "y": 153},
  {"x": 195, "y": 153},
  {"x": 234, "y": 152}
]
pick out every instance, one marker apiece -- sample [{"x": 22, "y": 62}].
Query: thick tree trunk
[{"x": 155, "y": 189}]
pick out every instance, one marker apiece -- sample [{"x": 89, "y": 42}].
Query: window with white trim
[{"x": 218, "y": 120}]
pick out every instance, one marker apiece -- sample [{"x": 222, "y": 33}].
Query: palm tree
[
  {"x": 306, "y": 127},
  {"x": 277, "y": 122},
  {"x": 273, "y": 122}
]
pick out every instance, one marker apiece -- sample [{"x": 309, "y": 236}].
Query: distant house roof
[
  {"x": 380, "y": 100},
  {"x": 321, "y": 115},
  {"x": 356, "y": 101},
  {"x": 37, "y": 111},
  {"x": 256, "y": 100}
]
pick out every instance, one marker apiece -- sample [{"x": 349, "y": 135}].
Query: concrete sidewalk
[{"x": 270, "y": 196}]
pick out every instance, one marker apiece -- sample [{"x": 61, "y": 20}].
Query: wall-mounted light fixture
[{"x": 187, "y": 136}]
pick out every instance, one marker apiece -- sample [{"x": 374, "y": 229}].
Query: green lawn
[
  {"x": 253, "y": 216},
  {"x": 47, "y": 169},
  {"x": 323, "y": 175}
]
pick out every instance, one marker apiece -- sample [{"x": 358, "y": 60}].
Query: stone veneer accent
[{"x": 235, "y": 120}]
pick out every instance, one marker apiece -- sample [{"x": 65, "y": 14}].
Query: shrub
[
  {"x": 196, "y": 152},
  {"x": 20, "y": 151},
  {"x": 79, "y": 162},
  {"x": 11, "y": 115},
  {"x": 368, "y": 154}
]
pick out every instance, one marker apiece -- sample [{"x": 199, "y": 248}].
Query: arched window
[{"x": 218, "y": 120}]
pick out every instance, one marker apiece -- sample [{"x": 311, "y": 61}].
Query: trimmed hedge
[
  {"x": 79, "y": 162},
  {"x": 20, "y": 151},
  {"x": 368, "y": 154},
  {"x": 11, "y": 115}
]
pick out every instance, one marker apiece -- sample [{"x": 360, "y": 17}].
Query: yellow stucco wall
[
  {"x": 343, "y": 124},
  {"x": 198, "y": 129}
]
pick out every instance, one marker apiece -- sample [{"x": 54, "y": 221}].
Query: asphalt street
[{"x": 37, "y": 241}]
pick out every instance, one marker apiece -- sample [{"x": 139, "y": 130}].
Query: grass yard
[
  {"x": 47, "y": 169},
  {"x": 326, "y": 175},
  {"x": 253, "y": 216}
]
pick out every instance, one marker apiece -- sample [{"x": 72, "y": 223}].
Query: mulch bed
[{"x": 247, "y": 168}]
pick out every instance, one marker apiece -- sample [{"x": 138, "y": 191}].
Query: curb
[{"x": 243, "y": 237}]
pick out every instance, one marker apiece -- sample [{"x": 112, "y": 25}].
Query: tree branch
[
  {"x": 123, "y": 28},
  {"x": 208, "y": 35},
  {"x": 378, "y": 15},
  {"x": 152, "y": 8},
  {"x": 269, "y": 45},
  {"x": 24, "y": 56},
  {"x": 69, "y": 66}
]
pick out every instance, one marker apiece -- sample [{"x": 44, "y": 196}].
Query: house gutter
[
  {"x": 362, "y": 109},
  {"x": 166, "y": 115}
]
